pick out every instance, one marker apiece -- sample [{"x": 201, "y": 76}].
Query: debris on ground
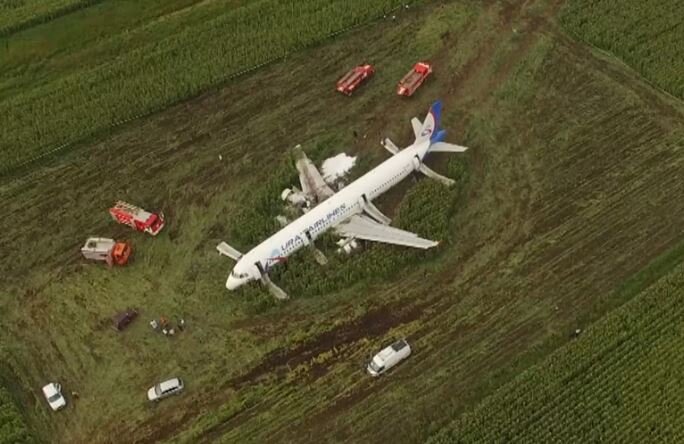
[
  {"x": 336, "y": 167},
  {"x": 166, "y": 327}
]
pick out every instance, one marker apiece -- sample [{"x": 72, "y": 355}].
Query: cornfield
[
  {"x": 13, "y": 429},
  {"x": 647, "y": 34},
  {"x": 17, "y": 15},
  {"x": 427, "y": 209},
  {"x": 621, "y": 381},
  {"x": 164, "y": 71}
]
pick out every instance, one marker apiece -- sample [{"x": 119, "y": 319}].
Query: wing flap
[{"x": 361, "y": 227}]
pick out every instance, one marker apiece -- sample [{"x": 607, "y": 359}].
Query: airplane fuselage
[{"x": 336, "y": 209}]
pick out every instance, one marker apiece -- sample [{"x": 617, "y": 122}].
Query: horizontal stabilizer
[
  {"x": 226, "y": 250},
  {"x": 443, "y": 147},
  {"x": 417, "y": 126},
  {"x": 433, "y": 175}
]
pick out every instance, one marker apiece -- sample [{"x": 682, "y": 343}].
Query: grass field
[
  {"x": 97, "y": 76},
  {"x": 621, "y": 381},
  {"x": 568, "y": 192}
]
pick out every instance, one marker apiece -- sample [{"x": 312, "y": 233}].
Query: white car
[
  {"x": 167, "y": 388},
  {"x": 53, "y": 394},
  {"x": 389, "y": 357}
]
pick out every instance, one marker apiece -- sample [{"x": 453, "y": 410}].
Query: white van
[
  {"x": 389, "y": 357},
  {"x": 170, "y": 387}
]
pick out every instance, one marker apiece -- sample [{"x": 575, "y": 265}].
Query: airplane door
[
  {"x": 363, "y": 201},
  {"x": 307, "y": 237}
]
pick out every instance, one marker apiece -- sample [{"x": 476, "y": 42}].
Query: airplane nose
[{"x": 232, "y": 283}]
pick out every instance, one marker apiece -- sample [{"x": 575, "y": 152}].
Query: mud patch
[
  {"x": 373, "y": 324},
  {"x": 278, "y": 362}
]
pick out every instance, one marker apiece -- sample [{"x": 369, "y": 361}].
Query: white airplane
[{"x": 349, "y": 212}]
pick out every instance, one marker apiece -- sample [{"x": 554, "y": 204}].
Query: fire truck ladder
[{"x": 131, "y": 209}]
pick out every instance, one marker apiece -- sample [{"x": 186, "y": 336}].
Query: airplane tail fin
[
  {"x": 431, "y": 131},
  {"x": 430, "y": 127}
]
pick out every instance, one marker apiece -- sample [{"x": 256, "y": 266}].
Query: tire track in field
[{"x": 278, "y": 362}]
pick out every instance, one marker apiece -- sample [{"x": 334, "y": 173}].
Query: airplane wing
[
  {"x": 361, "y": 227},
  {"x": 310, "y": 178}
]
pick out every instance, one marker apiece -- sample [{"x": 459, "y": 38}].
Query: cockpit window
[{"x": 238, "y": 275}]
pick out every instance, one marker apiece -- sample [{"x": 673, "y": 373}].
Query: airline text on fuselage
[{"x": 299, "y": 238}]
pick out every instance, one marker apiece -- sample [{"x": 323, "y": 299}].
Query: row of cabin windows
[{"x": 388, "y": 182}]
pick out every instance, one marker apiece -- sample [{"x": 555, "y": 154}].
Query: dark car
[{"x": 122, "y": 319}]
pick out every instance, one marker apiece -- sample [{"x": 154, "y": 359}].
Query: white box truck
[{"x": 389, "y": 357}]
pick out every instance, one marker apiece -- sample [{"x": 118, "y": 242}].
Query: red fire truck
[
  {"x": 352, "y": 79},
  {"x": 137, "y": 218},
  {"x": 414, "y": 78}
]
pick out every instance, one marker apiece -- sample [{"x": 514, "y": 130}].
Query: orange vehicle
[
  {"x": 352, "y": 79},
  {"x": 108, "y": 250},
  {"x": 414, "y": 78}
]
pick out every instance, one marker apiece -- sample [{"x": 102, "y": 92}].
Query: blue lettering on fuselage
[{"x": 320, "y": 223}]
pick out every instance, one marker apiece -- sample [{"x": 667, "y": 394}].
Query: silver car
[
  {"x": 53, "y": 395},
  {"x": 167, "y": 388}
]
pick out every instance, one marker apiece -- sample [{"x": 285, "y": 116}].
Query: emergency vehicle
[
  {"x": 137, "y": 218},
  {"x": 108, "y": 250},
  {"x": 352, "y": 79},
  {"x": 414, "y": 78}
]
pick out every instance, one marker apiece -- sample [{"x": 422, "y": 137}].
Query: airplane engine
[
  {"x": 416, "y": 162},
  {"x": 296, "y": 198},
  {"x": 347, "y": 245}
]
